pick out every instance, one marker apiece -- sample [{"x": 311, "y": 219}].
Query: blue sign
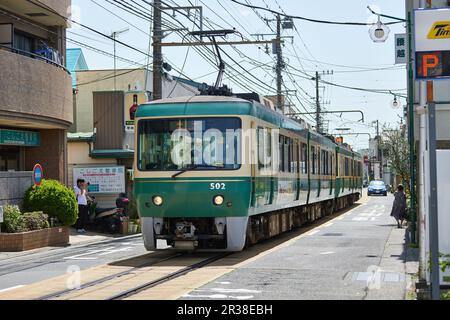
[{"x": 38, "y": 174}]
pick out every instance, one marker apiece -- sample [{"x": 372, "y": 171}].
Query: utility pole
[
  {"x": 157, "y": 50},
  {"x": 318, "y": 108},
  {"x": 279, "y": 67},
  {"x": 317, "y": 78}
]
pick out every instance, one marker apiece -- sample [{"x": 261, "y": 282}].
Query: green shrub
[
  {"x": 446, "y": 295},
  {"x": 33, "y": 221},
  {"x": 54, "y": 199},
  {"x": 12, "y": 220}
]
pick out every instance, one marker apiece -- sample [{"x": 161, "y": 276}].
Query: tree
[{"x": 396, "y": 149}]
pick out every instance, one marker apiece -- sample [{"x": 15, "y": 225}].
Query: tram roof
[{"x": 224, "y": 106}]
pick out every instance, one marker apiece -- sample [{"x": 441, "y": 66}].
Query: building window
[
  {"x": 23, "y": 42},
  {"x": 9, "y": 159}
]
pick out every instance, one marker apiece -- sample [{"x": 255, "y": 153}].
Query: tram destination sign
[{"x": 432, "y": 44}]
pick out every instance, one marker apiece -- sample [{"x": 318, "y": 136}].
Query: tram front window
[{"x": 189, "y": 144}]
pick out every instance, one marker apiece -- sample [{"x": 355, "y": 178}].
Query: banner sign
[
  {"x": 400, "y": 49},
  {"x": 104, "y": 180}
]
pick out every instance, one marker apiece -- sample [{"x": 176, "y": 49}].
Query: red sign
[{"x": 38, "y": 175}]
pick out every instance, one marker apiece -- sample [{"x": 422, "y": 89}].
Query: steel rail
[
  {"x": 106, "y": 279},
  {"x": 171, "y": 276}
]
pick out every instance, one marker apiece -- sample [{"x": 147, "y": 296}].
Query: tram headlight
[
  {"x": 158, "y": 201},
  {"x": 219, "y": 200}
]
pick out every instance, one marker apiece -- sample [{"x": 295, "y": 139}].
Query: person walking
[
  {"x": 81, "y": 194},
  {"x": 399, "y": 206}
]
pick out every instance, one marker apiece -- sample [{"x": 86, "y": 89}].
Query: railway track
[
  {"x": 63, "y": 293},
  {"x": 169, "y": 277},
  {"x": 140, "y": 288}
]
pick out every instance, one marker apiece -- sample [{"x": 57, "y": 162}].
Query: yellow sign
[{"x": 440, "y": 30}]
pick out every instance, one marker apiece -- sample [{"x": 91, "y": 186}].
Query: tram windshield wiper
[{"x": 196, "y": 166}]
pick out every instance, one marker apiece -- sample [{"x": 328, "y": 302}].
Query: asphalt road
[
  {"x": 359, "y": 255},
  {"x": 17, "y": 271}
]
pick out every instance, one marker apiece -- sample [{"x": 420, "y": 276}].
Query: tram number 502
[{"x": 218, "y": 186}]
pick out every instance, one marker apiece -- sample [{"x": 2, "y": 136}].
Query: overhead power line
[{"x": 309, "y": 19}]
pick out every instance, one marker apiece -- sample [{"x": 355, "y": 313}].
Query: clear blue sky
[{"x": 321, "y": 47}]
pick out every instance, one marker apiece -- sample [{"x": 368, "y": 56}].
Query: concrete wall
[
  {"x": 33, "y": 90},
  {"x": 13, "y": 186},
  {"x": 78, "y": 155},
  {"x": 51, "y": 154},
  {"x": 61, "y": 7}
]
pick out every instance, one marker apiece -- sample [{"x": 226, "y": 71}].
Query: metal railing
[{"x": 34, "y": 56}]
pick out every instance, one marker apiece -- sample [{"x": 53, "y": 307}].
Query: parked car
[{"x": 377, "y": 187}]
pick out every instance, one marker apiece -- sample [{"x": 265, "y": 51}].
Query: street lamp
[
  {"x": 396, "y": 104},
  {"x": 379, "y": 32}
]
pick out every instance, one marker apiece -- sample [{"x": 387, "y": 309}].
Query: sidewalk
[
  {"x": 399, "y": 264},
  {"x": 90, "y": 237},
  {"x": 358, "y": 255}
]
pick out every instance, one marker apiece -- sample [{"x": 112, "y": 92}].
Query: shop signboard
[
  {"x": 102, "y": 180},
  {"x": 20, "y": 138},
  {"x": 432, "y": 44}
]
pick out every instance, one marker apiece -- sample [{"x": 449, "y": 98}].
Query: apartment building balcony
[{"x": 35, "y": 92}]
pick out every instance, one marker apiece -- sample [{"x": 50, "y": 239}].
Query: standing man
[{"x": 81, "y": 192}]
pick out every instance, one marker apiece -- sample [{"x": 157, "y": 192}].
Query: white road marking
[
  {"x": 312, "y": 232},
  {"x": 327, "y": 253},
  {"x": 223, "y": 290},
  {"x": 114, "y": 251},
  {"x": 12, "y": 288},
  {"x": 223, "y": 283},
  {"x": 329, "y": 224},
  {"x": 218, "y": 296},
  {"x": 360, "y": 219},
  {"x": 82, "y": 256}
]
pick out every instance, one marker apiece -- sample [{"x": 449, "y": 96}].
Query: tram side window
[
  {"x": 261, "y": 148},
  {"x": 304, "y": 159},
  {"x": 346, "y": 172},
  {"x": 281, "y": 154},
  {"x": 331, "y": 163},
  {"x": 313, "y": 160},
  {"x": 287, "y": 154},
  {"x": 264, "y": 148},
  {"x": 296, "y": 157},
  {"x": 325, "y": 163}
]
